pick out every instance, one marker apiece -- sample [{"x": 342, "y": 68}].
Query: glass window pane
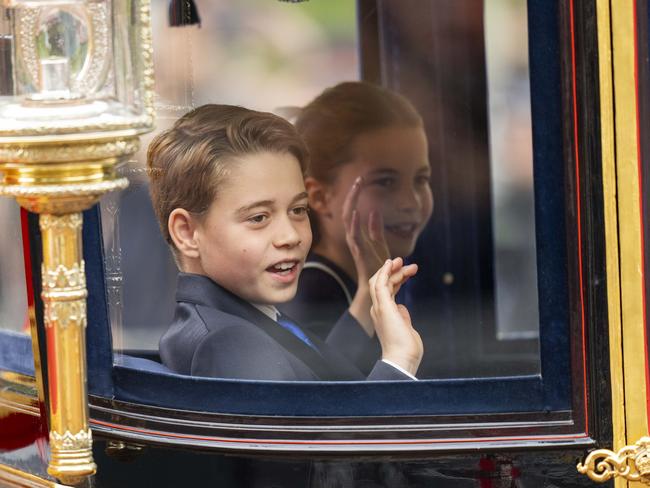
[
  {"x": 511, "y": 160},
  {"x": 474, "y": 300},
  {"x": 13, "y": 290}
]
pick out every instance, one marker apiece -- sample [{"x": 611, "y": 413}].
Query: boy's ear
[
  {"x": 181, "y": 227},
  {"x": 318, "y": 196}
]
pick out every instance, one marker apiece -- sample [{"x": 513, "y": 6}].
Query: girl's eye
[
  {"x": 385, "y": 182},
  {"x": 257, "y": 219},
  {"x": 423, "y": 180}
]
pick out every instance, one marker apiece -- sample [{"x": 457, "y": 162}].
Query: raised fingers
[
  {"x": 382, "y": 285},
  {"x": 351, "y": 199},
  {"x": 353, "y": 235},
  {"x": 401, "y": 276},
  {"x": 376, "y": 227},
  {"x": 378, "y": 281}
]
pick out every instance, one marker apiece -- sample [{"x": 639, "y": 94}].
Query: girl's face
[{"x": 394, "y": 165}]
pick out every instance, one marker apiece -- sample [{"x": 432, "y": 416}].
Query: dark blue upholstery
[
  {"x": 16, "y": 353},
  {"x": 140, "y": 364}
]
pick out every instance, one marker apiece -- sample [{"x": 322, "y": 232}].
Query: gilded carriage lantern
[{"x": 76, "y": 91}]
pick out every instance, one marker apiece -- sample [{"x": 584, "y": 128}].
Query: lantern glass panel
[{"x": 71, "y": 66}]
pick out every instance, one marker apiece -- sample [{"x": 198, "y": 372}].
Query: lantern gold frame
[{"x": 58, "y": 175}]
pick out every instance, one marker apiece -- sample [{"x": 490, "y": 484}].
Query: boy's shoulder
[
  {"x": 216, "y": 333},
  {"x": 214, "y": 343},
  {"x": 195, "y": 324}
]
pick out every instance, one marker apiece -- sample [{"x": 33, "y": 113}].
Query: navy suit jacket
[{"x": 217, "y": 334}]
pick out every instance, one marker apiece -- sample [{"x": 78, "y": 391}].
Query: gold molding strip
[
  {"x": 607, "y": 135},
  {"x": 629, "y": 219},
  {"x": 16, "y": 477}
]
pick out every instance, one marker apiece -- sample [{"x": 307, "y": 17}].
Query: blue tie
[{"x": 292, "y": 327}]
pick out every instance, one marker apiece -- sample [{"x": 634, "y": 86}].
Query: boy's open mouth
[{"x": 284, "y": 270}]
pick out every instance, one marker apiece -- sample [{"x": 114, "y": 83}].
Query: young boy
[{"x": 227, "y": 187}]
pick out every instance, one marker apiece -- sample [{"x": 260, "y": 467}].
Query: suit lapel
[{"x": 202, "y": 290}]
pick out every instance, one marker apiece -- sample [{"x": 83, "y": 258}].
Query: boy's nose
[{"x": 287, "y": 236}]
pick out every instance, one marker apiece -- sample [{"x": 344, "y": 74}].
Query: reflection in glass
[{"x": 13, "y": 290}]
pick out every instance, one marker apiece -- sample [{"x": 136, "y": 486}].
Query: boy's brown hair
[{"x": 188, "y": 162}]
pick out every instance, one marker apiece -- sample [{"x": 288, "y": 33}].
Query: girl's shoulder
[{"x": 322, "y": 277}]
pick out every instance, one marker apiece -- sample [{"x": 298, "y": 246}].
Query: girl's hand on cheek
[
  {"x": 366, "y": 242},
  {"x": 369, "y": 251},
  {"x": 400, "y": 342}
]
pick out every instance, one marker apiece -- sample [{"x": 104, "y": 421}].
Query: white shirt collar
[{"x": 269, "y": 310}]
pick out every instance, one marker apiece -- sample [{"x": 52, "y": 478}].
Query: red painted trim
[
  {"x": 640, "y": 177},
  {"x": 334, "y": 442},
  {"x": 579, "y": 216},
  {"x": 27, "y": 260}
]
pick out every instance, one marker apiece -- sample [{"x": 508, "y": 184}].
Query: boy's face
[{"x": 256, "y": 235}]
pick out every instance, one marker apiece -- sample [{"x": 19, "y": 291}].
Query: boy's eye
[
  {"x": 257, "y": 219},
  {"x": 300, "y": 210}
]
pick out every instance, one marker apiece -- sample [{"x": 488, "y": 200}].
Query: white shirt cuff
[{"x": 398, "y": 368}]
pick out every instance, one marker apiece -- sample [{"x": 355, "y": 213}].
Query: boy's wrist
[{"x": 407, "y": 363}]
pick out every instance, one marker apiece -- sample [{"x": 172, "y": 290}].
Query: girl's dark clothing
[{"x": 325, "y": 292}]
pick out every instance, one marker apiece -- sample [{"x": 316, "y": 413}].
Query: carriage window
[
  {"x": 13, "y": 292},
  {"x": 475, "y": 298}
]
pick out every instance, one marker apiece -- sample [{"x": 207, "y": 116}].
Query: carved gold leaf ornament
[
  {"x": 70, "y": 441},
  {"x": 79, "y": 190},
  {"x": 60, "y": 222},
  {"x": 63, "y": 277},
  {"x": 146, "y": 47},
  {"x": 68, "y": 152},
  {"x": 630, "y": 462},
  {"x": 65, "y": 314}
]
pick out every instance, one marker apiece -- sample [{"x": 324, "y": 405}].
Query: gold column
[
  {"x": 59, "y": 181},
  {"x": 64, "y": 299}
]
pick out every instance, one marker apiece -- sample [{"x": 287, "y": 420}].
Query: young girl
[{"x": 369, "y": 194}]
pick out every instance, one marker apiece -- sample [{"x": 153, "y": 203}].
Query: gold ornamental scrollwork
[
  {"x": 78, "y": 190},
  {"x": 65, "y": 153},
  {"x": 630, "y": 462},
  {"x": 63, "y": 277},
  {"x": 58, "y": 199},
  {"x": 65, "y": 314},
  {"x": 60, "y": 222},
  {"x": 146, "y": 47}
]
